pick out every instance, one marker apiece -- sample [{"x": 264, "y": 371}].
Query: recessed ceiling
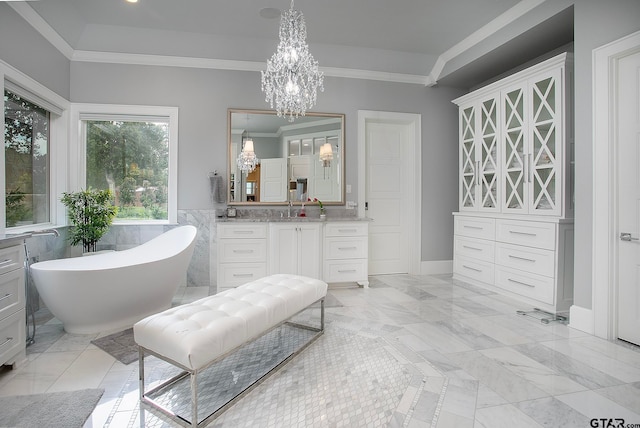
[{"x": 400, "y": 36}]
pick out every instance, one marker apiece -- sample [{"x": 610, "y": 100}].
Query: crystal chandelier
[
  {"x": 292, "y": 78},
  {"x": 247, "y": 159}
]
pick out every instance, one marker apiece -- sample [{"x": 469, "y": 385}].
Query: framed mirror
[{"x": 273, "y": 161}]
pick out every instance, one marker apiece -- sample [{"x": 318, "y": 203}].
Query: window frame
[
  {"x": 80, "y": 112},
  {"x": 58, "y": 123}
]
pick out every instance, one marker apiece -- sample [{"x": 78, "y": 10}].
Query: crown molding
[{"x": 40, "y": 25}]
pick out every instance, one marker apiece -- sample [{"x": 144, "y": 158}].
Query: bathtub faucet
[{"x": 44, "y": 232}]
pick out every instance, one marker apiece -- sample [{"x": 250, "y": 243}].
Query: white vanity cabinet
[
  {"x": 345, "y": 252},
  {"x": 242, "y": 253},
  {"x": 295, "y": 248},
  {"x": 12, "y": 304},
  {"x": 514, "y": 231}
]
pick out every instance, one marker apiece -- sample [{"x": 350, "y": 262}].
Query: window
[
  {"x": 131, "y": 151},
  {"x": 26, "y": 151}
]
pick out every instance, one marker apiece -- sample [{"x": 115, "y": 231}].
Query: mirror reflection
[{"x": 274, "y": 161}]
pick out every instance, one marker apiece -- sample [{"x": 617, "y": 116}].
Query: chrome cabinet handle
[
  {"x": 521, "y": 258},
  {"x": 5, "y": 297},
  {"x": 9, "y": 339},
  {"x": 625, "y": 236},
  {"x": 520, "y": 283}
]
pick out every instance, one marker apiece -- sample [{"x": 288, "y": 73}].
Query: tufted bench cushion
[{"x": 195, "y": 334}]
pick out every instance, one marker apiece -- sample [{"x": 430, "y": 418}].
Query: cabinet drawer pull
[
  {"x": 347, "y": 248},
  {"x": 515, "y": 232},
  {"x": 471, "y": 248},
  {"x": 5, "y": 297},
  {"x": 521, "y": 258},
  {"x": 5, "y": 262},
  {"x": 473, "y": 227},
  {"x": 9, "y": 339},
  {"x": 346, "y": 270},
  {"x": 472, "y": 268},
  {"x": 243, "y": 251},
  {"x": 243, "y": 232},
  {"x": 347, "y": 230},
  {"x": 242, "y": 275},
  {"x": 520, "y": 283}
]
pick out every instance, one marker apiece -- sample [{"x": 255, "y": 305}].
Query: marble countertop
[
  {"x": 10, "y": 240},
  {"x": 278, "y": 219}
]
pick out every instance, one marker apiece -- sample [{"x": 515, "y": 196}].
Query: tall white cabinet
[{"x": 514, "y": 228}]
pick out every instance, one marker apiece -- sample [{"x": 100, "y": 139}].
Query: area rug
[
  {"x": 120, "y": 346},
  {"x": 55, "y": 410},
  {"x": 343, "y": 379}
]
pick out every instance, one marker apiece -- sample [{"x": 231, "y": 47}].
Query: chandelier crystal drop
[{"x": 292, "y": 78}]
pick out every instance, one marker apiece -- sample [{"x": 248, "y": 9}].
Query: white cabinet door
[
  {"x": 295, "y": 248},
  {"x": 273, "y": 180},
  {"x": 479, "y": 151}
]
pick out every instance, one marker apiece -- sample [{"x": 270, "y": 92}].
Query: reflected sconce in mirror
[
  {"x": 247, "y": 159},
  {"x": 326, "y": 155}
]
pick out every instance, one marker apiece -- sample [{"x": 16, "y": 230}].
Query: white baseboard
[
  {"x": 438, "y": 267},
  {"x": 581, "y": 319}
]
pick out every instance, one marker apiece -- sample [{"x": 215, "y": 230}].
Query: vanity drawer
[
  {"x": 345, "y": 271},
  {"x": 242, "y": 250},
  {"x": 536, "y": 287},
  {"x": 529, "y": 233},
  {"x": 346, "y": 229},
  {"x": 242, "y": 231},
  {"x": 475, "y": 227},
  {"x": 11, "y": 258},
  {"x": 345, "y": 248},
  {"x": 234, "y": 274},
  {"x": 12, "y": 336},
  {"x": 528, "y": 259},
  {"x": 474, "y": 248},
  {"x": 475, "y": 269},
  {"x": 11, "y": 292}
]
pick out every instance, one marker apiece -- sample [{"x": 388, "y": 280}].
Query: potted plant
[{"x": 91, "y": 212}]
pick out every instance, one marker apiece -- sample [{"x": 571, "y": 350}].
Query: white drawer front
[
  {"x": 474, "y": 269},
  {"x": 12, "y": 335},
  {"x": 11, "y": 292},
  {"x": 242, "y": 231},
  {"x": 11, "y": 258},
  {"x": 529, "y": 233},
  {"x": 528, "y": 259},
  {"x": 475, "y": 227},
  {"x": 346, "y": 229},
  {"x": 474, "y": 248},
  {"x": 536, "y": 287},
  {"x": 345, "y": 248},
  {"x": 345, "y": 271},
  {"x": 234, "y": 274},
  {"x": 242, "y": 250}
]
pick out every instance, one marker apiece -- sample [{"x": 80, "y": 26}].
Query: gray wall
[
  {"x": 203, "y": 97},
  {"x": 597, "y": 22},
  {"x": 25, "y": 49}
]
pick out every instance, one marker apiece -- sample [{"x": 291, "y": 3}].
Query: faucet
[{"x": 289, "y": 209}]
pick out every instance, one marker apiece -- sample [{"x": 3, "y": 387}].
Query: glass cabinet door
[
  {"x": 467, "y": 158},
  {"x": 514, "y": 151},
  {"x": 544, "y": 139},
  {"x": 488, "y": 155}
]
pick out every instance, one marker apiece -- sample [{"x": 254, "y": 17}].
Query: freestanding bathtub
[{"x": 112, "y": 291}]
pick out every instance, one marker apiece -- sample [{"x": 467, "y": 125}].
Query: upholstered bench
[{"x": 196, "y": 335}]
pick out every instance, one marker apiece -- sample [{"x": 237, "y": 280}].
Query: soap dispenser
[{"x": 302, "y": 213}]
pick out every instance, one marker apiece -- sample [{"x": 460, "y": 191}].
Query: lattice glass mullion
[
  {"x": 467, "y": 158},
  {"x": 489, "y": 155},
  {"x": 513, "y": 146},
  {"x": 544, "y": 141}
]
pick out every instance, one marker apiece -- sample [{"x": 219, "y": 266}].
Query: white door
[
  {"x": 273, "y": 180},
  {"x": 628, "y": 96},
  {"x": 386, "y": 197}
]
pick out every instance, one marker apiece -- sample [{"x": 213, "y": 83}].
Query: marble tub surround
[{"x": 473, "y": 363}]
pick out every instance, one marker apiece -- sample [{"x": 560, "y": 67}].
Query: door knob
[{"x": 624, "y": 236}]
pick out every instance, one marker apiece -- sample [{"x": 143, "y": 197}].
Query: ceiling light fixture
[
  {"x": 247, "y": 159},
  {"x": 292, "y": 78}
]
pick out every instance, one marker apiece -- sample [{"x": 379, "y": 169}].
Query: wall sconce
[{"x": 326, "y": 155}]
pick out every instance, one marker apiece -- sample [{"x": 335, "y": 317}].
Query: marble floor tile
[{"x": 471, "y": 361}]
